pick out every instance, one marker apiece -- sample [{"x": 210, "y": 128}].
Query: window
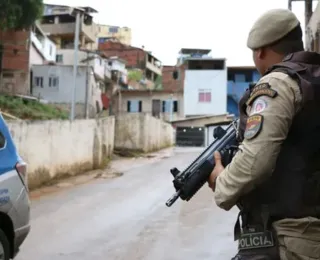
[
  {"x": 38, "y": 82},
  {"x": 113, "y": 29},
  {"x": 175, "y": 106},
  {"x": 204, "y": 95},
  {"x": 53, "y": 81},
  {"x": 7, "y": 75},
  {"x": 2, "y": 141},
  {"x": 59, "y": 58},
  {"x": 166, "y": 105},
  {"x": 134, "y": 106}
]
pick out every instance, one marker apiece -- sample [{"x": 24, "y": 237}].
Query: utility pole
[
  {"x": 87, "y": 89},
  {"x": 119, "y": 97},
  {"x": 75, "y": 66},
  {"x": 171, "y": 107}
]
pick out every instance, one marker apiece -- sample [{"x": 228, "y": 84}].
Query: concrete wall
[
  {"x": 142, "y": 132},
  {"x": 56, "y": 148}
]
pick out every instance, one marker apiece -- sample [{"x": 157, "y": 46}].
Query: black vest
[{"x": 294, "y": 187}]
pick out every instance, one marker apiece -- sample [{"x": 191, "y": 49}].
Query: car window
[{"x": 2, "y": 141}]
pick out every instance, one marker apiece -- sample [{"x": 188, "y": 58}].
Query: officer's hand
[{"x": 216, "y": 171}]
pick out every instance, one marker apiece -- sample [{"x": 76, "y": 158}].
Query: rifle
[{"x": 188, "y": 182}]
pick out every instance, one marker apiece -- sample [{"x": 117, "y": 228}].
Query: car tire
[{"x": 5, "y": 245}]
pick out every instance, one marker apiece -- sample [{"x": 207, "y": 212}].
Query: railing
[
  {"x": 154, "y": 68},
  {"x": 61, "y": 28}
]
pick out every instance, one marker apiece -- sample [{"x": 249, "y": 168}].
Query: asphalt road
[{"x": 126, "y": 219}]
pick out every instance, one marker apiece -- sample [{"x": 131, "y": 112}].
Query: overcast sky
[{"x": 166, "y": 26}]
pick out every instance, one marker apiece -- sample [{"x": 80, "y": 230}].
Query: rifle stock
[{"x": 188, "y": 182}]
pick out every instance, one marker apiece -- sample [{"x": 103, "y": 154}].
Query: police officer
[{"x": 274, "y": 177}]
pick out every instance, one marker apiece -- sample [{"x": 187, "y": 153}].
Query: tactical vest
[{"x": 293, "y": 190}]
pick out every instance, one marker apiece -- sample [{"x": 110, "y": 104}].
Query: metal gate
[{"x": 190, "y": 136}]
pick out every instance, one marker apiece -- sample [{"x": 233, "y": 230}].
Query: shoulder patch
[
  {"x": 253, "y": 127},
  {"x": 263, "y": 89},
  {"x": 259, "y": 105}
]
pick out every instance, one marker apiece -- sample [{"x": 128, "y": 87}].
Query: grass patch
[{"x": 30, "y": 109}]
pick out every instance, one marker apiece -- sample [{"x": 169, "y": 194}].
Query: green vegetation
[
  {"x": 18, "y": 14},
  {"x": 158, "y": 83},
  {"x": 135, "y": 75},
  {"x": 29, "y": 109}
]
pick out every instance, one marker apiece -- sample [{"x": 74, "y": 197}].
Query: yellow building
[{"x": 106, "y": 32}]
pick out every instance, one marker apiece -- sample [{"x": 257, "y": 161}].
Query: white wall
[
  {"x": 117, "y": 65},
  {"x": 99, "y": 66},
  {"x": 45, "y": 46},
  {"x": 49, "y": 49},
  {"x": 142, "y": 132},
  {"x": 56, "y": 148},
  {"x": 63, "y": 92},
  {"x": 68, "y": 59},
  {"x": 214, "y": 80},
  {"x": 35, "y": 56}
]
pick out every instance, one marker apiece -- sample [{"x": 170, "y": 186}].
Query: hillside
[{"x": 30, "y": 109}]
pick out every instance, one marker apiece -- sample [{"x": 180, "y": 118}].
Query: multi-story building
[
  {"x": 110, "y": 32},
  {"x": 60, "y": 23},
  {"x": 165, "y": 103},
  {"x": 185, "y": 54},
  {"x": 136, "y": 58},
  {"x": 205, "y": 84},
  {"x": 239, "y": 79},
  {"x": 42, "y": 50},
  {"x": 313, "y": 31},
  {"x": 21, "y": 50},
  {"x": 14, "y": 72}
]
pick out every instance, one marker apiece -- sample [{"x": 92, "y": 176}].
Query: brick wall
[
  {"x": 168, "y": 82},
  {"x": 135, "y": 57},
  {"x": 15, "y": 62}
]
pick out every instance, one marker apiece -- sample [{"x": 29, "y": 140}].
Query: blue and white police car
[{"x": 14, "y": 198}]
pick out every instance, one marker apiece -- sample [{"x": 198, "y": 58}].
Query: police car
[{"x": 14, "y": 198}]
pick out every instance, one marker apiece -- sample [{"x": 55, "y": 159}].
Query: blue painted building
[{"x": 239, "y": 79}]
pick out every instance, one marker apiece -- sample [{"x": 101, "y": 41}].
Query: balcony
[
  {"x": 154, "y": 68},
  {"x": 69, "y": 29}
]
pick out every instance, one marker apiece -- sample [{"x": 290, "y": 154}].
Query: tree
[{"x": 19, "y": 14}]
